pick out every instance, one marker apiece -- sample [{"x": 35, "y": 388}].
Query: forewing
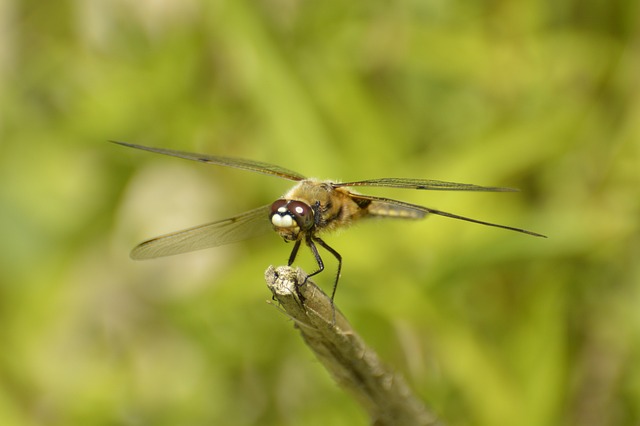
[
  {"x": 250, "y": 224},
  {"x": 426, "y": 184},
  {"x": 238, "y": 163},
  {"x": 385, "y": 207}
]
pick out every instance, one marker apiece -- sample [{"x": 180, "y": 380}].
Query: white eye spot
[
  {"x": 299, "y": 210},
  {"x": 282, "y": 221}
]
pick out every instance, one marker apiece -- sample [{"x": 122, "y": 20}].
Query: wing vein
[
  {"x": 424, "y": 184},
  {"x": 246, "y": 225},
  {"x": 238, "y": 163}
]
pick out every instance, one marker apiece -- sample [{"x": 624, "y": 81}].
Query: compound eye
[
  {"x": 302, "y": 213},
  {"x": 279, "y": 206}
]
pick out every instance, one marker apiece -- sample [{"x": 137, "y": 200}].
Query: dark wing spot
[{"x": 362, "y": 203}]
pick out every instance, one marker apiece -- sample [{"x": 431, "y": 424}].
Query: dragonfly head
[{"x": 290, "y": 217}]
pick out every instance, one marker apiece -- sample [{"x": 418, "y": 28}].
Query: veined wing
[
  {"x": 238, "y": 163},
  {"x": 246, "y": 225},
  {"x": 427, "y": 184},
  {"x": 385, "y": 207}
]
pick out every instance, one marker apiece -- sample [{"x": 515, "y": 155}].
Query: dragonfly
[{"x": 308, "y": 209}]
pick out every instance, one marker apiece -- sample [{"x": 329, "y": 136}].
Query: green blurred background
[{"x": 490, "y": 327}]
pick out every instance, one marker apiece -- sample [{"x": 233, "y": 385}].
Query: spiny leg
[
  {"x": 309, "y": 240},
  {"x": 314, "y": 250},
  {"x": 294, "y": 253},
  {"x": 338, "y": 257},
  {"x": 292, "y": 258}
]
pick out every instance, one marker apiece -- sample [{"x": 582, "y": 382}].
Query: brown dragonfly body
[{"x": 308, "y": 209}]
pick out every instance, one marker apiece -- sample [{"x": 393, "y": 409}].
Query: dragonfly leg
[
  {"x": 294, "y": 253},
  {"x": 292, "y": 258},
  {"x": 337, "y": 256},
  {"x": 311, "y": 243}
]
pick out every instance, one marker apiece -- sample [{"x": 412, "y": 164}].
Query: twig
[{"x": 384, "y": 394}]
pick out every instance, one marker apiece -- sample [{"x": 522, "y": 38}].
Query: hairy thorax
[{"x": 332, "y": 207}]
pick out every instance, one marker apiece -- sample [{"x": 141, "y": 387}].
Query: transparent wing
[
  {"x": 249, "y": 224},
  {"x": 426, "y": 184},
  {"x": 238, "y": 163},
  {"x": 385, "y": 207}
]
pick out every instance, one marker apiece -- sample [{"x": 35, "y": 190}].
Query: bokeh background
[{"x": 490, "y": 327}]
